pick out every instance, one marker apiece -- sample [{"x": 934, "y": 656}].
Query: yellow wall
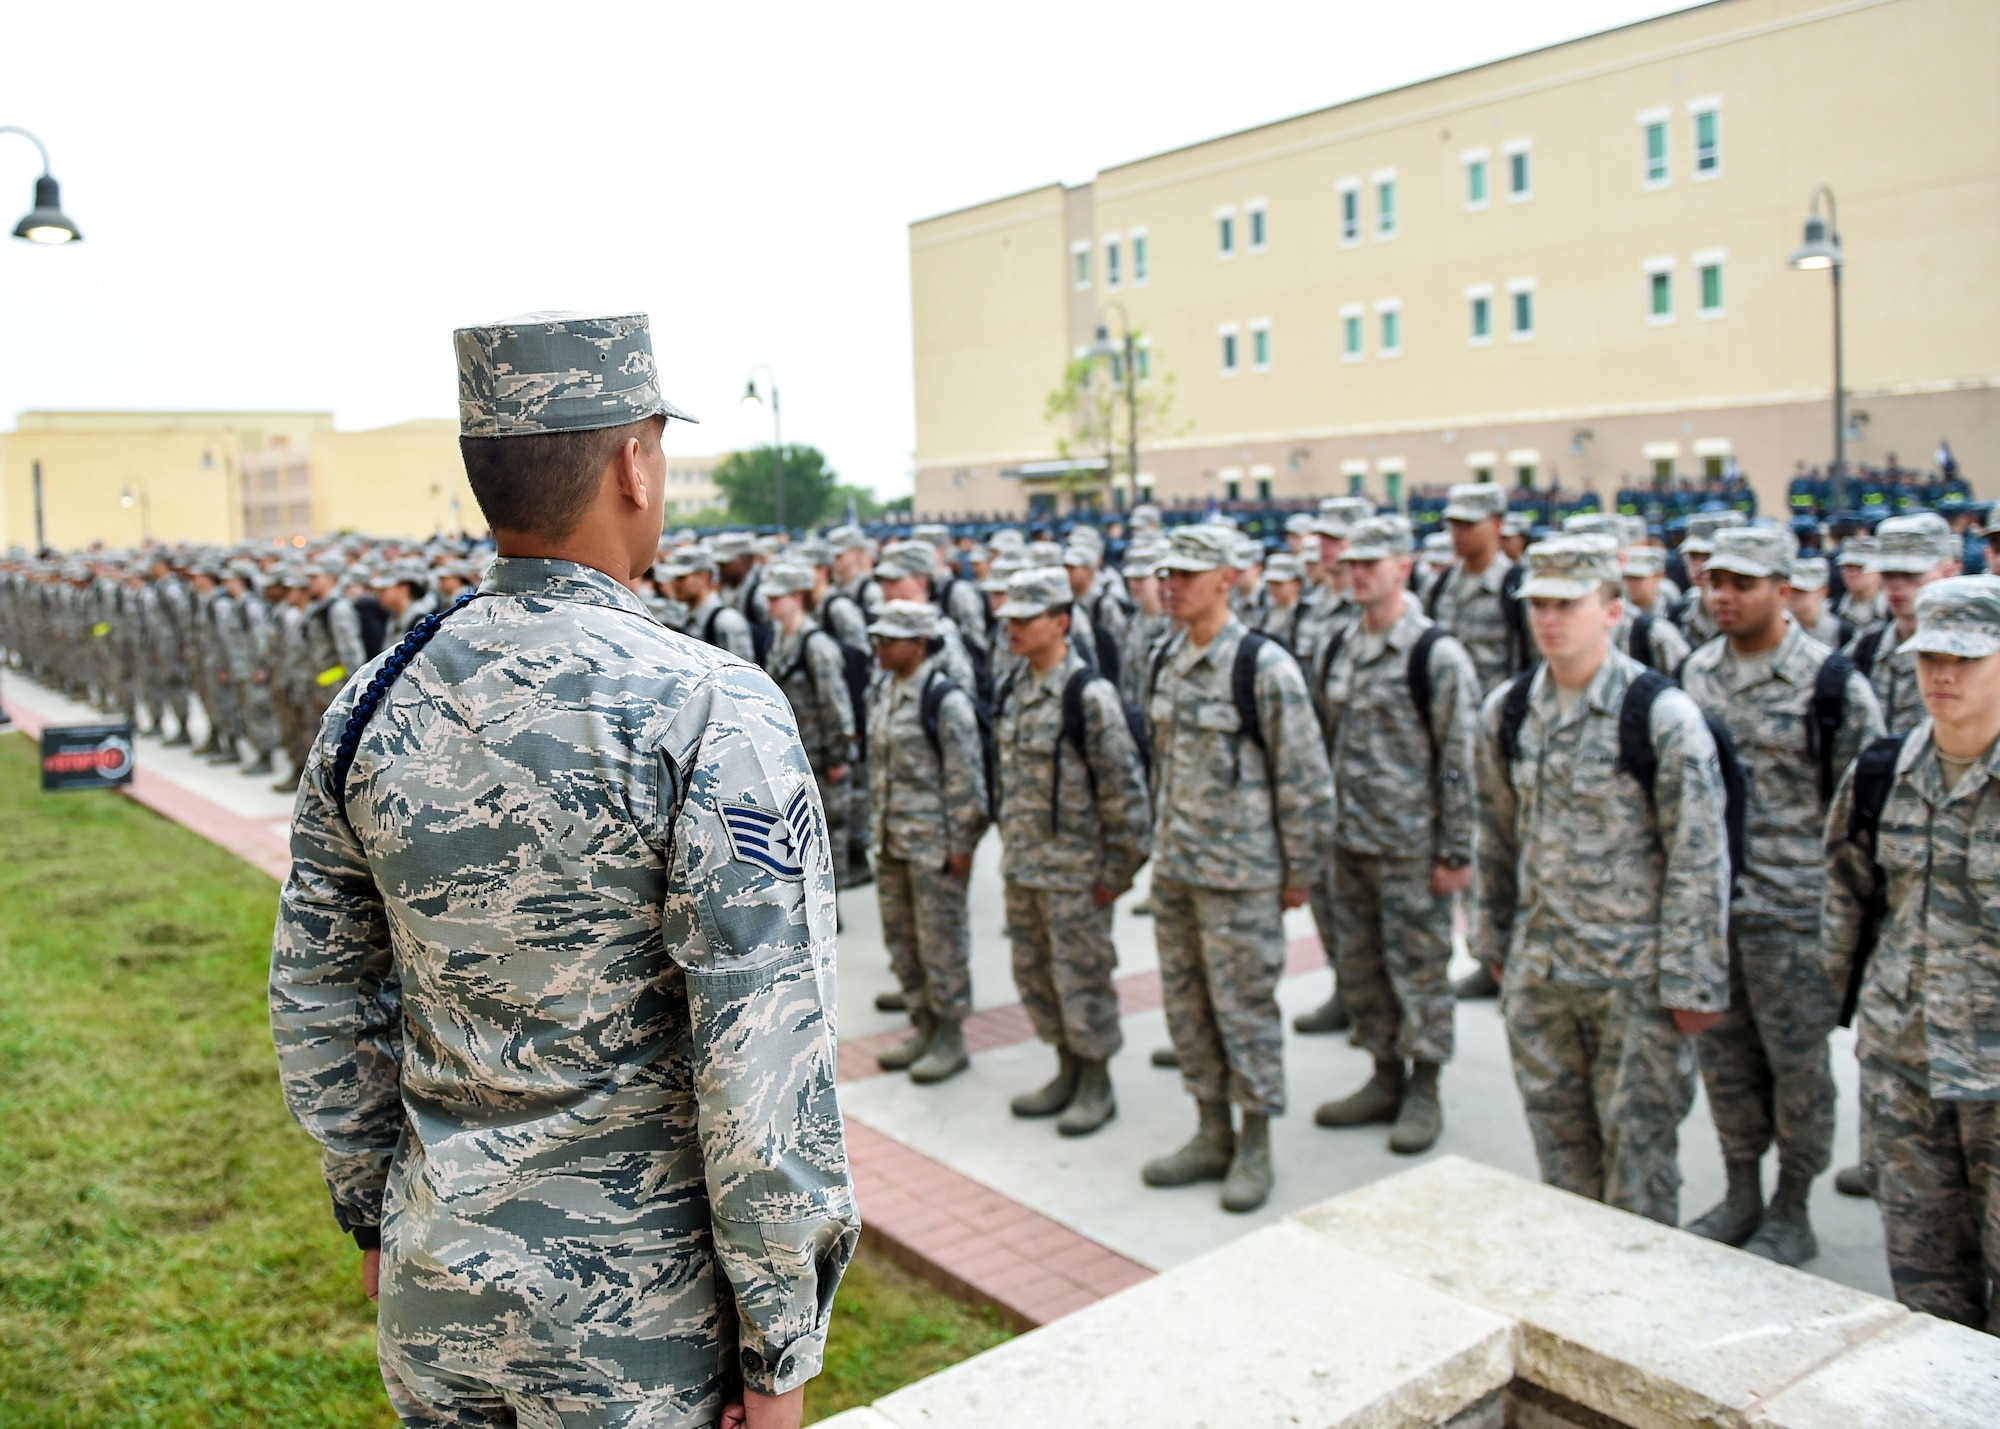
[
  {"x": 1809, "y": 91},
  {"x": 401, "y": 480}
]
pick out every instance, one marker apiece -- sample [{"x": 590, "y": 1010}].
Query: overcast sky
[{"x": 290, "y": 207}]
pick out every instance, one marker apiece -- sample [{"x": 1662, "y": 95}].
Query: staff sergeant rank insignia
[{"x": 778, "y": 842}]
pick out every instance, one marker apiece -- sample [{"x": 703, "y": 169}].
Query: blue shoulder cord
[{"x": 371, "y": 698}]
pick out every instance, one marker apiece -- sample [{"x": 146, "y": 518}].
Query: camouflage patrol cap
[
  {"x": 1959, "y": 616},
  {"x": 1858, "y": 551},
  {"x": 1809, "y": 573},
  {"x": 813, "y": 552},
  {"x": 906, "y": 558},
  {"x": 1590, "y": 523},
  {"x": 734, "y": 545},
  {"x": 785, "y": 578},
  {"x": 1086, "y": 535},
  {"x": 1249, "y": 551},
  {"x": 1337, "y": 515},
  {"x": 931, "y": 532},
  {"x": 1299, "y": 523},
  {"x": 1379, "y": 538},
  {"x": 557, "y": 372},
  {"x": 1199, "y": 548},
  {"x": 847, "y": 538},
  {"x": 1517, "y": 523},
  {"x": 1003, "y": 569},
  {"x": 1081, "y": 554},
  {"x": 1146, "y": 517},
  {"x": 1570, "y": 567},
  {"x": 1755, "y": 551},
  {"x": 1438, "y": 548},
  {"x": 1042, "y": 553},
  {"x": 1703, "y": 526},
  {"x": 1645, "y": 561},
  {"x": 905, "y": 620},
  {"x": 686, "y": 562},
  {"x": 1007, "y": 539},
  {"x": 1475, "y": 501},
  {"x": 1912, "y": 545},
  {"x": 1283, "y": 566},
  {"x": 1036, "y": 592}
]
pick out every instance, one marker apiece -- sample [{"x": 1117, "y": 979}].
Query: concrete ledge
[{"x": 1923, "y": 1371}]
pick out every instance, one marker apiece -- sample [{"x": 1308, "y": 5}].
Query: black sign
[{"x": 86, "y": 756}]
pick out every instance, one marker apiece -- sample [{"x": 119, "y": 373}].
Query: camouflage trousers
[
  {"x": 1606, "y": 1079},
  {"x": 929, "y": 932},
  {"x": 1222, "y": 952},
  {"x": 838, "y": 801},
  {"x": 856, "y": 864},
  {"x": 1937, "y": 1182},
  {"x": 1765, "y": 1065},
  {"x": 1319, "y": 898},
  {"x": 1392, "y": 947},
  {"x": 1063, "y": 965},
  {"x": 429, "y": 1398},
  {"x": 259, "y": 713},
  {"x": 225, "y": 714}
]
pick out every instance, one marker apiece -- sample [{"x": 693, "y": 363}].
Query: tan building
[
  {"x": 691, "y": 487},
  {"x": 1568, "y": 265}
]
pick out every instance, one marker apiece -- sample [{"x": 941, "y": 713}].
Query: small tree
[
  {"x": 745, "y": 480},
  {"x": 1091, "y": 402}
]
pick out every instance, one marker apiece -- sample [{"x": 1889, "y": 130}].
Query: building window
[
  {"x": 1479, "y": 306},
  {"x": 1228, "y": 334},
  {"x": 1708, "y": 281},
  {"x": 1260, "y": 345},
  {"x": 1476, "y": 195},
  {"x": 1385, "y": 205},
  {"x": 1079, "y": 258},
  {"x": 1659, "y": 289},
  {"x": 1653, "y": 147},
  {"x": 1232, "y": 483},
  {"x": 1520, "y": 176},
  {"x": 1521, "y": 291},
  {"x": 1707, "y": 115},
  {"x": 1663, "y": 471},
  {"x": 1263, "y": 487},
  {"x": 1142, "y": 357},
  {"x": 1139, "y": 257},
  {"x": 1350, "y": 212},
  {"x": 1225, "y": 233},
  {"x": 1255, "y": 216},
  {"x": 1524, "y": 477},
  {"x": 1389, "y": 315},
  {"x": 1350, "y": 332},
  {"x": 1112, "y": 277}
]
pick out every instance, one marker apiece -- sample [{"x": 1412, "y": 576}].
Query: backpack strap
[
  {"x": 1640, "y": 644},
  {"x": 1515, "y": 615},
  {"x": 1436, "y": 592},
  {"x": 1636, "y": 755},
  {"x": 1824, "y": 718},
  {"x": 1243, "y": 686},
  {"x": 1418, "y": 675},
  {"x": 1867, "y": 650},
  {"x": 1514, "y": 713},
  {"x": 1874, "y": 778},
  {"x": 1074, "y": 735},
  {"x": 930, "y": 700},
  {"x": 371, "y": 697}
]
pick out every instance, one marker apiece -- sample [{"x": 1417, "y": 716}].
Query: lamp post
[
  {"x": 144, "y": 501},
  {"x": 45, "y": 222},
  {"x": 752, "y": 399},
  {"x": 1104, "y": 350},
  {"x": 1821, "y": 249}
]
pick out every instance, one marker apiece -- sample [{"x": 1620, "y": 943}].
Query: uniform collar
[
  {"x": 1222, "y": 647},
  {"x": 558, "y": 580}
]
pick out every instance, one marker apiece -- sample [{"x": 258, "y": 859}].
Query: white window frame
[
  {"x": 1356, "y": 313},
  {"x": 1141, "y": 241},
  {"x": 1707, "y": 104},
  {"x": 1466, "y": 160},
  {"x": 1346, "y": 191},
  {"x": 1256, "y": 214},
  {"x": 1259, "y": 327},
  {"x": 1516, "y": 287},
  {"x": 1226, "y": 215},
  {"x": 1114, "y": 276},
  {"x": 1229, "y": 342},
  {"x": 1383, "y": 308},
  {"x": 1142, "y": 354},
  {"x": 1472, "y": 295},
  {"x": 1354, "y": 466},
  {"x": 1508, "y": 151},
  {"x": 1377, "y": 181},
  {"x": 1263, "y": 478},
  {"x": 1079, "y": 271},
  {"x": 1653, "y": 268},
  {"x": 1662, "y": 115},
  {"x": 1701, "y": 260},
  {"x": 1231, "y": 476}
]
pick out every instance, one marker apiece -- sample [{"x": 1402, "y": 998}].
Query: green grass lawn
[{"x": 166, "y": 1252}]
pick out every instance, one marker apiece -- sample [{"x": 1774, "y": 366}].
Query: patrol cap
[
  {"x": 1437, "y": 546},
  {"x": 1042, "y": 553},
  {"x": 1809, "y": 573},
  {"x": 734, "y": 545},
  {"x": 931, "y": 532},
  {"x": 906, "y": 558},
  {"x": 1249, "y": 551},
  {"x": 905, "y": 620},
  {"x": 1036, "y": 592},
  {"x": 1959, "y": 616},
  {"x": 1337, "y": 514},
  {"x": 1570, "y": 567},
  {"x": 847, "y": 538},
  {"x": 1146, "y": 517},
  {"x": 1086, "y": 535},
  {"x": 1007, "y": 538},
  {"x": 1003, "y": 570},
  {"x": 1517, "y": 523},
  {"x": 813, "y": 552},
  {"x": 557, "y": 372},
  {"x": 686, "y": 562},
  {"x": 1911, "y": 545},
  {"x": 1379, "y": 538},
  {"x": 1590, "y": 523},
  {"x": 1299, "y": 523},
  {"x": 1703, "y": 526},
  {"x": 1645, "y": 561},
  {"x": 1755, "y": 551},
  {"x": 1283, "y": 566},
  {"x": 1199, "y": 548},
  {"x": 1858, "y": 551},
  {"x": 1475, "y": 501},
  {"x": 1082, "y": 555},
  {"x": 785, "y": 578}
]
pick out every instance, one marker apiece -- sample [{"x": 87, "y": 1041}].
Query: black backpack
[
  {"x": 857, "y": 698},
  {"x": 1513, "y": 610},
  {"x": 1639, "y": 644},
  {"x": 936, "y": 687},
  {"x": 1867, "y": 650},
  {"x": 1242, "y": 691},
  {"x": 1874, "y": 777},
  {"x": 1824, "y": 717},
  {"x": 1416, "y": 673},
  {"x": 1073, "y": 731},
  {"x": 1636, "y": 755},
  {"x": 760, "y": 631},
  {"x": 1109, "y": 659},
  {"x": 761, "y": 634}
]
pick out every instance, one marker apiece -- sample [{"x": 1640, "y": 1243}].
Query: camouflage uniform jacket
[
  {"x": 1401, "y": 790},
  {"x": 1930, "y": 1003},
  {"x": 732, "y": 630},
  {"x": 1103, "y": 828},
  {"x": 846, "y": 620},
  {"x": 1583, "y": 877},
  {"x": 556, "y": 998},
  {"x": 333, "y": 643},
  {"x": 294, "y": 667},
  {"x": 1696, "y": 623},
  {"x": 1227, "y": 814},
  {"x": 1670, "y": 646},
  {"x": 1864, "y": 613},
  {"x": 1468, "y": 606},
  {"x": 1894, "y": 679},
  {"x": 808, "y": 667},
  {"x": 965, "y": 603},
  {"x": 170, "y": 635},
  {"x": 1144, "y": 635},
  {"x": 926, "y": 804},
  {"x": 1767, "y": 718}
]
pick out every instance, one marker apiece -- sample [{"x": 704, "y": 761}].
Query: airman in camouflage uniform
[
  {"x": 1766, "y": 1066},
  {"x": 1644, "y": 630},
  {"x": 1862, "y": 603},
  {"x": 1241, "y": 822},
  {"x": 570, "y": 1050},
  {"x": 928, "y": 810},
  {"x": 693, "y": 574},
  {"x": 1604, "y": 902},
  {"x": 333, "y": 639},
  {"x": 167, "y": 634},
  {"x": 244, "y": 628},
  {"x": 1930, "y": 994},
  {"x": 1911, "y": 552},
  {"x": 806, "y": 662},
  {"x": 1467, "y": 602},
  {"x": 1075, "y": 826},
  {"x": 1403, "y": 832},
  {"x": 1702, "y": 529},
  {"x": 904, "y": 573}
]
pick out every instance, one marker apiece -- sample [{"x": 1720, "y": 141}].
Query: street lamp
[
  {"x": 1104, "y": 350},
  {"x": 45, "y": 222},
  {"x": 1821, "y": 249},
  {"x": 752, "y": 399},
  {"x": 144, "y": 501}
]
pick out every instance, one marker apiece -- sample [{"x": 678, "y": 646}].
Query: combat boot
[
  {"x": 1735, "y": 1218},
  {"x": 1786, "y": 1233},
  {"x": 261, "y": 767},
  {"x": 946, "y": 1056},
  {"x": 1205, "y": 1158},
  {"x": 287, "y": 785},
  {"x": 1057, "y": 1095},
  {"x": 1854, "y": 1181},
  {"x": 1422, "y": 1118},
  {"x": 1248, "y": 1182},
  {"x": 897, "y": 1001},
  {"x": 226, "y": 754},
  {"x": 1379, "y": 1099},
  {"x": 906, "y": 1052},
  {"x": 1476, "y": 985},
  {"x": 1094, "y": 1103},
  {"x": 1166, "y": 1057},
  {"x": 1330, "y": 1016},
  {"x": 181, "y": 737}
]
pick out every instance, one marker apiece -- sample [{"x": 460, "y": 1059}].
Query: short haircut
[{"x": 542, "y": 484}]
